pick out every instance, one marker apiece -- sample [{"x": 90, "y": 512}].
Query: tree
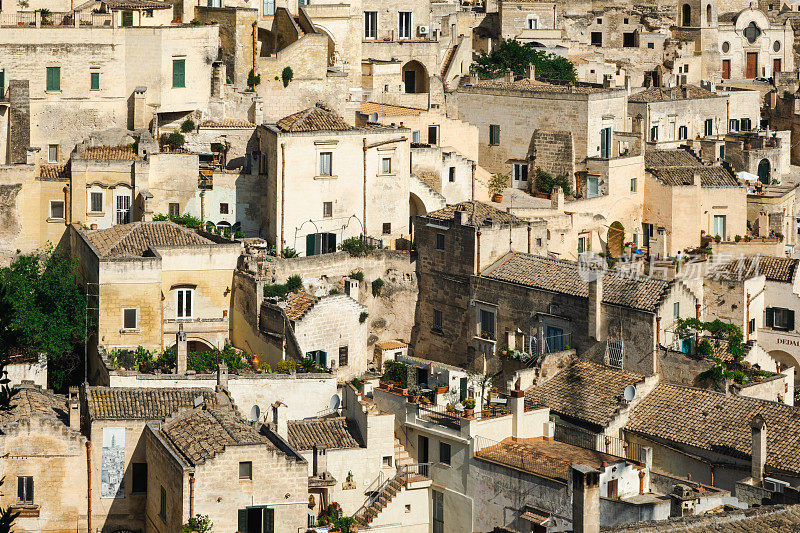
[
  {"x": 515, "y": 56},
  {"x": 43, "y": 310},
  {"x": 200, "y": 524},
  {"x": 8, "y": 339}
]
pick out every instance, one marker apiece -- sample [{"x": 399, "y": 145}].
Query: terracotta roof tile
[
  {"x": 534, "y": 86},
  {"x": 297, "y": 304},
  {"x": 584, "y": 391},
  {"x": 476, "y": 213},
  {"x": 131, "y": 240},
  {"x": 137, "y": 4},
  {"x": 317, "y": 118},
  {"x": 678, "y": 167},
  {"x": 389, "y": 110},
  {"x": 562, "y": 276},
  {"x": 54, "y": 172},
  {"x": 33, "y": 401},
  {"x": 391, "y": 345},
  {"x": 716, "y": 422},
  {"x": 201, "y": 434},
  {"x": 660, "y": 94},
  {"x": 106, "y": 403},
  {"x": 764, "y": 519},
  {"x": 227, "y": 123},
  {"x": 110, "y": 152},
  {"x": 773, "y": 268},
  {"x": 327, "y": 432}
]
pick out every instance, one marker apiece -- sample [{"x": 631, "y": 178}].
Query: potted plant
[
  {"x": 450, "y": 408},
  {"x": 413, "y": 393},
  {"x": 469, "y": 406},
  {"x": 404, "y": 392},
  {"x": 383, "y": 385},
  {"x": 441, "y": 389},
  {"x": 497, "y": 185},
  {"x": 424, "y": 400},
  {"x": 504, "y": 350}
]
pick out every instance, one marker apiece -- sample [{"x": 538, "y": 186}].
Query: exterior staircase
[
  {"x": 448, "y": 58},
  {"x": 410, "y": 476},
  {"x": 401, "y": 457},
  {"x": 430, "y": 197}
]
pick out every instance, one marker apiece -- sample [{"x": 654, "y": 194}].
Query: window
[
  {"x": 437, "y": 321},
  {"x": 605, "y": 143},
  {"x": 726, "y": 47},
  {"x": 654, "y": 133},
  {"x": 722, "y": 152},
  {"x": 444, "y": 453},
  {"x": 162, "y": 507},
  {"x": 139, "y": 475},
  {"x": 744, "y": 124},
  {"x": 440, "y": 241},
  {"x": 533, "y": 22},
  {"x": 246, "y": 470},
  {"x": 597, "y": 38},
  {"x": 223, "y": 209},
  {"x": 256, "y": 519},
  {"x": 404, "y": 25},
  {"x": 94, "y": 81},
  {"x": 178, "y": 73},
  {"x": 599, "y": 21},
  {"x": 438, "y": 511},
  {"x": 183, "y": 304},
  {"x": 487, "y": 324},
  {"x": 633, "y": 184},
  {"x": 521, "y": 173},
  {"x": 148, "y": 13},
  {"x": 387, "y": 228},
  {"x": 539, "y": 242},
  {"x": 433, "y": 135},
  {"x": 386, "y": 165},
  {"x": 751, "y": 326},
  {"x": 676, "y": 310},
  {"x": 25, "y": 489},
  {"x": 776, "y": 46},
  {"x": 733, "y": 125},
  {"x": 52, "y": 153},
  {"x": 96, "y": 202},
  {"x": 57, "y": 209},
  {"x": 709, "y": 126},
  {"x": 123, "y": 209},
  {"x": 268, "y": 7},
  {"x": 780, "y": 318},
  {"x": 127, "y": 19},
  {"x": 651, "y": 45},
  {"x": 719, "y": 226},
  {"x": 683, "y": 132},
  {"x": 592, "y": 187},
  {"x": 629, "y": 40},
  {"x": 494, "y": 134},
  {"x": 53, "y": 79},
  {"x": 326, "y": 163},
  {"x": 582, "y": 245},
  {"x": 624, "y": 21},
  {"x": 327, "y": 209},
  {"x": 415, "y": 137},
  {"x": 2, "y": 85},
  {"x": 343, "y": 355},
  {"x": 370, "y": 24},
  {"x": 174, "y": 209},
  {"x": 130, "y": 318},
  {"x": 387, "y": 460}
]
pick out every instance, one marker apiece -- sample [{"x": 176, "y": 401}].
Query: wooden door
[
  {"x": 752, "y": 65},
  {"x": 613, "y": 489},
  {"x": 776, "y": 66},
  {"x": 726, "y": 69}
]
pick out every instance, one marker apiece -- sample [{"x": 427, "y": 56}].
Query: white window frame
[
  {"x": 63, "y": 210},
  {"x": 91, "y": 201},
  {"x": 181, "y": 294},
  {"x": 264, "y": 4},
  {"x": 118, "y": 211},
  {"x": 386, "y": 165},
  {"x": 676, "y": 310},
  {"x": 597, "y": 188},
  {"x": 325, "y": 212},
  {"x": 370, "y": 25},
  {"x": 136, "y": 316},
  {"x": 583, "y": 244},
  {"x": 518, "y": 174},
  {"x": 535, "y": 20},
  {"x": 400, "y": 15},
  {"x": 634, "y": 185},
  {"x": 320, "y": 170},
  {"x": 50, "y": 158}
]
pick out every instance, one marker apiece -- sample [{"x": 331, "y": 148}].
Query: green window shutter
[
  {"x": 242, "y": 519},
  {"x": 790, "y": 322},
  {"x": 269, "y": 520},
  {"x": 179, "y": 73},
  {"x": 94, "y": 78},
  {"x": 323, "y": 359},
  {"x": 2, "y": 85},
  {"x": 53, "y": 78},
  {"x": 311, "y": 244},
  {"x": 770, "y": 317}
]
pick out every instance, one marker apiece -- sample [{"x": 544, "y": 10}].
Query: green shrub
[
  {"x": 174, "y": 140},
  {"x": 288, "y": 253},
  {"x": 704, "y": 348},
  {"x": 396, "y": 372},
  {"x": 198, "y": 524},
  {"x": 468, "y": 403},
  {"x": 308, "y": 365},
  {"x": 286, "y": 75},
  {"x": 195, "y": 22},
  {"x": 333, "y": 291},
  {"x": 187, "y": 126},
  {"x": 377, "y": 287},
  {"x": 545, "y": 182},
  {"x": 356, "y": 247},
  {"x": 717, "y": 238},
  {"x": 362, "y": 317},
  {"x": 294, "y": 283},
  {"x": 357, "y": 383},
  {"x": 497, "y": 183},
  {"x": 285, "y": 366},
  {"x": 202, "y": 362},
  {"x": 357, "y": 275},
  {"x": 737, "y": 238},
  {"x": 46, "y": 13},
  {"x": 253, "y": 79},
  {"x": 280, "y": 290}
]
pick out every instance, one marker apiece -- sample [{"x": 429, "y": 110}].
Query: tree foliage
[
  {"x": 516, "y": 56},
  {"x": 200, "y": 524},
  {"x": 43, "y": 310}
]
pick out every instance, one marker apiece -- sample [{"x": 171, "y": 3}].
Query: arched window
[
  {"x": 687, "y": 15},
  {"x": 708, "y": 15}
]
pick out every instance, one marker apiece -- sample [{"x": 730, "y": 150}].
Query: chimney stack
[
  {"x": 585, "y": 499},
  {"x": 458, "y": 217},
  {"x": 222, "y": 376},
  {"x": 181, "y": 349},
  {"x": 74, "y": 409},
  {"x": 531, "y": 72},
  {"x": 509, "y": 76},
  {"x": 557, "y": 199},
  {"x": 517, "y": 405},
  {"x": 596, "y": 306},
  {"x": 759, "y": 452},
  {"x": 279, "y": 419},
  {"x": 320, "y": 460},
  {"x": 140, "y": 108}
]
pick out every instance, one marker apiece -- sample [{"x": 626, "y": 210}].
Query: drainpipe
[
  {"x": 658, "y": 331},
  {"x": 697, "y": 316},
  {"x": 283, "y": 188},
  {"x": 529, "y": 238},
  {"x": 255, "y": 47},
  {"x": 89, "y": 486},
  {"x": 365, "y": 187},
  {"x": 191, "y": 494},
  {"x": 67, "y": 205},
  {"x": 473, "y": 182},
  {"x": 747, "y": 320},
  {"x": 478, "y": 262}
]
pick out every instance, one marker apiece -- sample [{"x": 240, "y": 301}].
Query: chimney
[
  {"x": 646, "y": 457},
  {"x": 217, "y": 79},
  {"x": 585, "y": 499},
  {"x": 759, "y": 452},
  {"x": 222, "y": 376},
  {"x": 509, "y": 76},
  {"x": 628, "y": 84},
  {"x": 279, "y": 419},
  {"x": 517, "y": 405},
  {"x": 696, "y": 180},
  {"x": 763, "y": 224},
  {"x": 557, "y": 199},
  {"x": 139, "y": 108},
  {"x": 458, "y": 217},
  {"x": 258, "y": 110},
  {"x": 596, "y": 306},
  {"x": 473, "y": 78},
  {"x": 74, "y": 409},
  {"x": 182, "y": 349},
  {"x": 320, "y": 460},
  {"x": 531, "y": 72},
  {"x": 685, "y": 91}
]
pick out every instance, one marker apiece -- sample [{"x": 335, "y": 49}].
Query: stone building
[
  {"x": 327, "y": 181},
  {"x": 210, "y": 461},
  {"x": 43, "y": 452}
]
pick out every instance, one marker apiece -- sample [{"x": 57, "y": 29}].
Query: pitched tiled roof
[
  {"x": 317, "y": 118},
  {"x": 32, "y": 401},
  {"x": 201, "y": 434},
  {"x": 389, "y": 110},
  {"x": 110, "y": 152},
  {"x": 391, "y": 345},
  {"x": 475, "y": 213},
  {"x": 764, "y": 519},
  {"x": 562, "y": 276},
  {"x": 298, "y": 304},
  {"x": 107, "y": 403},
  {"x": 328, "y": 432},
  {"x": 526, "y": 85},
  {"x": 54, "y": 172},
  {"x": 716, "y": 422},
  {"x": 137, "y": 4},
  {"x": 660, "y": 94},
  {"x": 227, "y": 123},
  {"x": 678, "y": 167},
  {"x": 773, "y": 268},
  {"x": 584, "y": 391},
  {"x": 131, "y": 240}
]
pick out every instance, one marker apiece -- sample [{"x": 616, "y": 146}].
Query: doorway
[
  {"x": 751, "y": 69},
  {"x": 764, "y": 171},
  {"x": 726, "y": 69}
]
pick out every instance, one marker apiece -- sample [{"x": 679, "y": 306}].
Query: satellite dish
[
  {"x": 255, "y": 414},
  {"x": 630, "y": 393},
  {"x": 373, "y": 117},
  {"x": 335, "y": 402}
]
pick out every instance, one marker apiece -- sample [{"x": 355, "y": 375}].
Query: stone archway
[
  {"x": 415, "y": 78},
  {"x": 786, "y": 359},
  {"x": 616, "y": 239},
  {"x": 687, "y": 15},
  {"x": 764, "y": 171}
]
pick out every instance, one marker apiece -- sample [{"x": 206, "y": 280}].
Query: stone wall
[{"x": 553, "y": 153}]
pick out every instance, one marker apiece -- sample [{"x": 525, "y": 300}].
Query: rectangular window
[
  {"x": 25, "y": 489},
  {"x": 387, "y": 228},
  {"x": 96, "y": 202},
  {"x": 130, "y": 318},
  {"x": 2, "y": 85},
  {"x": 52, "y": 153},
  {"x": 629, "y": 40},
  {"x": 780, "y": 318},
  {"x": 387, "y": 460},
  {"x": 343, "y": 356},
  {"x": 733, "y": 125},
  {"x": 438, "y": 511},
  {"x": 654, "y": 133},
  {"x": 415, "y": 137},
  {"x": 433, "y": 135},
  {"x": 94, "y": 81},
  {"x": 162, "y": 507},
  {"x": 327, "y": 209},
  {"x": 437, "y": 321},
  {"x": 582, "y": 245},
  {"x": 123, "y": 209},
  {"x": 676, "y": 310},
  {"x": 404, "y": 25},
  {"x": 633, "y": 184},
  {"x": 444, "y": 453},
  {"x": 751, "y": 326},
  {"x": 651, "y": 45},
  {"x": 709, "y": 126},
  {"x": 440, "y": 241},
  {"x": 722, "y": 152},
  {"x": 719, "y": 226},
  {"x": 178, "y": 73},
  {"x": 494, "y": 134},
  {"x": 326, "y": 163},
  {"x": 487, "y": 324},
  {"x": 592, "y": 187},
  {"x": 246, "y": 470},
  {"x": 139, "y": 475},
  {"x": 533, "y": 23},
  {"x": 520, "y": 174},
  {"x": 744, "y": 124},
  {"x": 268, "y": 7},
  {"x": 597, "y": 38},
  {"x": 370, "y": 24},
  {"x": 683, "y": 132},
  {"x": 183, "y": 304},
  {"x": 386, "y": 165},
  {"x": 452, "y": 175},
  {"x": 53, "y": 79},
  {"x": 605, "y": 143},
  {"x": 174, "y": 209},
  {"x": 223, "y": 209},
  {"x": 57, "y": 209}
]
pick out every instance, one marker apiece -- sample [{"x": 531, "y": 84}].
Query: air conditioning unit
[
  {"x": 423, "y": 30},
  {"x": 775, "y": 485}
]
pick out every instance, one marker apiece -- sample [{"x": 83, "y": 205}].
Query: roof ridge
[{"x": 128, "y": 231}]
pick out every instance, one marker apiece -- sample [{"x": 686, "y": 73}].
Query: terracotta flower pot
[
  {"x": 383, "y": 385},
  {"x": 441, "y": 389},
  {"x": 497, "y": 198},
  {"x": 469, "y": 413},
  {"x": 414, "y": 398}
]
